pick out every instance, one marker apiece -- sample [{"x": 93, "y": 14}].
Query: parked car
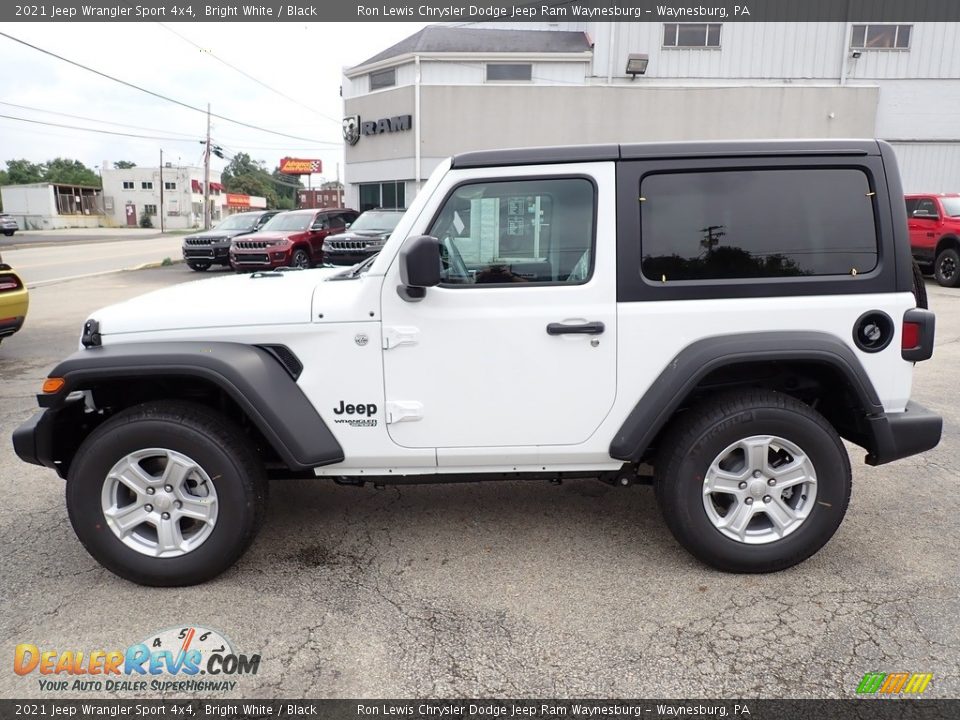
[
  {"x": 365, "y": 237},
  {"x": 14, "y": 301},
  {"x": 630, "y": 313},
  {"x": 293, "y": 239},
  {"x": 7, "y": 225},
  {"x": 212, "y": 247},
  {"x": 934, "y": 223}
]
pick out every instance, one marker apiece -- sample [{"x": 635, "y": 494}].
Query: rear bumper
[
  {"x": 9, "y": 326},
  {"x": 900, "y": 435}
]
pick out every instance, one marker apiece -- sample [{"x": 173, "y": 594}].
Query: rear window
[{"x": 756, "y": 223}]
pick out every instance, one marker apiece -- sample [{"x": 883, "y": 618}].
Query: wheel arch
[
  {"x": 801, "y": 364},
  {"x": 237, "y": 379},
  {"x": 947, "y": 241}
]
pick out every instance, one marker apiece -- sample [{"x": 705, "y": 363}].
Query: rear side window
[{"x": 731, "y": 224}]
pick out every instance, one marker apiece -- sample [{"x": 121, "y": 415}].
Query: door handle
[{"x": 590, "y": 328}]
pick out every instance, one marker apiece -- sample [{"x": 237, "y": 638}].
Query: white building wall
[
  {"x": 182, "y": 207},
  {"x": 929, "y": 167}
]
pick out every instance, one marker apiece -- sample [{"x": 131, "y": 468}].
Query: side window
[
  {"x": 523, "y": 231},
  {"x": 756, "y": 223},
  {"x": 927, "y": 208},
  {"x": 911, "y": 205}
]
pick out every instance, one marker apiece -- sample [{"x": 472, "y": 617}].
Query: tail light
[
  {"x": 9, "y": 282},
  {"x": 916, "y": 337}
]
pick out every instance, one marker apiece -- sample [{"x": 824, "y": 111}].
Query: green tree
[
  {"x": 145, "y": 221},
  {"x": 69, "y": 172},
  {"x": 21, "y": 172},
  {"x": 286, "y": 187},
  {"x": 123, "y": 165}
]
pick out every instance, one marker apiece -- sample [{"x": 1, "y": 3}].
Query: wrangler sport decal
[{"x": 366, "y": 411}]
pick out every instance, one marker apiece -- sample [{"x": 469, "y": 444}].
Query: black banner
[
  {"x": 853, "y": 709},
  {"x": 481, "y": 10}
]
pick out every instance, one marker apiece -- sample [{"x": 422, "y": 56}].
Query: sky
[{"x": 303, "y": 61}]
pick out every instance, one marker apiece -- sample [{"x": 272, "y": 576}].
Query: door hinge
[
  {"x": 396, "y": 336},
  {"x": 403, "y": 411}
]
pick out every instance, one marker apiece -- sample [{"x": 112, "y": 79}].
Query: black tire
[
  {"x": 702, "y": 433},
  {"x": 919, "y": 287},
  {"x": 216, "y": 444},
  {"x": 9, "y": 233},
  {"x": 300, "y": 259},
  {"x": 946, "y": 268},
  {"x": 199, "y": 267}
]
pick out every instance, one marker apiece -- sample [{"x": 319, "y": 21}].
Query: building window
[
  {"x": 691, "y": 35},
  {"x": 730, "y": 224},
  {"x": 169, "y": 186},
  {"x": 881, "y": 37},
  {"x": 173, "y": 208},
  {"x": 150, "y": 209},
  {"x": 146, "y": 185},
  {"x": 383, "y": 78},
  {"x": 128, "y": 184},
  {"x": 382, "y": 195},
  {"x": 499, "y": 72},
  {"x": 525, "y": 231}
]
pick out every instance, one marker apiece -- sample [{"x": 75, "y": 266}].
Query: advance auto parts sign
[{"x": 300, "y": 166}]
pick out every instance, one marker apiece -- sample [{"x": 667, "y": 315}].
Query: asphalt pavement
[{"x": 520, "y": 589}]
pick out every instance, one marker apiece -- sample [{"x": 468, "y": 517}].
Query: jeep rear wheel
[
  {"x": 166, "y": 494},
  {"x": 300, "y": 259},
  {"x": 946, "y": 268},
  {"x": 754, "y": 481}
]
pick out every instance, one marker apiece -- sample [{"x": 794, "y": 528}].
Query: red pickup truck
[{"x": 934, "y": 222}]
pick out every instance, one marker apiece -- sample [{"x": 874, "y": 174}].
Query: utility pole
[
  {"x": 160, "y": 209},
  {"x": 339, "y": 188},
  {"x": 206, "y": 177}
]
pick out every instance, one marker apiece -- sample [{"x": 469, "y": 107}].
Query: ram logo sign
[{"x": 894, "y": 683}]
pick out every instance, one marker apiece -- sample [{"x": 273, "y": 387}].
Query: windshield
[
  {"x": 385, "y": 220},
  {"x": 238, "y": 222},
  {"x": 951, "y": 206},
  {"x": 288, "y": 221}
]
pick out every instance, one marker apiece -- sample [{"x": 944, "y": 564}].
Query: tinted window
[
  {"x": 756, "y": 223},
  {"x": 926, "y": 207},
  {"x": 525, "y": 231},
  {"x": 383, "y": 78},
  {"x": 509, "y": 71}
]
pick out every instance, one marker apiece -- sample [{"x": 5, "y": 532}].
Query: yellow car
[{"x": 14, "y": 301}]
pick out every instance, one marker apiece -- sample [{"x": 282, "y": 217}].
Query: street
[
  {"x": 76, "y": 256},
  {"x": 519, "y": 589}
]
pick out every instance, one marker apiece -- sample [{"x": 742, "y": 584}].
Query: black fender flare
[
  {"x": 697, "y": 360},
  {"x": 249, "y": 375}
]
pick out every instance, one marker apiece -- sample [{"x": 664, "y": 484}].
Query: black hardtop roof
[{"x": 662, "y": 151}]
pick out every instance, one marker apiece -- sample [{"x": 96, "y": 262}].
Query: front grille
[
  {"x": 203, "y": 240},
  {"x": 253, "y": 258},
  {"x": 250, "y": 244},
  {"x": 348, "y": 244}
]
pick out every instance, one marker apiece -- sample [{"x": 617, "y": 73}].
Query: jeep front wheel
[
  {"x": 199, "y": 267},
  {"x": 946, "y": 268},
  {"x": 166, "y": 494},
  {"x": 755, "y": 481},
  {"x": 300, "y": 259}
]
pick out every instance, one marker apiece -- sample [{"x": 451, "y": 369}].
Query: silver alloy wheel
[
  {"x": 759, "y": 489},
  {"x": 159, "y": 502}
]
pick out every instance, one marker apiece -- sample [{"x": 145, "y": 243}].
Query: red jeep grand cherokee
[
  {"x": 934, "y": 222},
  {"x": 294, "y": 239}
]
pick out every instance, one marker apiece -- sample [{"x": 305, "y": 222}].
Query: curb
[
  {"x": 152, "y": 265},
  {"x": 143, "y": 266}
]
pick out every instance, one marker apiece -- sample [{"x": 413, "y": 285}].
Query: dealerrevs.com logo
[{"x": 183, "y": 659}]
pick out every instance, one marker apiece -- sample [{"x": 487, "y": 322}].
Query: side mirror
[
  {"x": 347, "y": 226},
  {"x": 419, "y": 267}
]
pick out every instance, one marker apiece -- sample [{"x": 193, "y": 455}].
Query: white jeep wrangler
[{"x": 716, "y": 315}]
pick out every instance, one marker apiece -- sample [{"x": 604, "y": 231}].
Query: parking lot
[{"x": 520, "y": 589}]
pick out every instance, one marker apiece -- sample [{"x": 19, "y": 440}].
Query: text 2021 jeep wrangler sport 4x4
[{"x": 721, "y": 313}]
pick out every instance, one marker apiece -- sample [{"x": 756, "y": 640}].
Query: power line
[
  {"x": 156, "y": 94},
  {"x": 246, "y": 74},
  {"x": 96, "y": 130},
  {"x": 90, "y": 119}
]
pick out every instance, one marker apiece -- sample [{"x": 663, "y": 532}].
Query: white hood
[{"x": 233, "y": 301}]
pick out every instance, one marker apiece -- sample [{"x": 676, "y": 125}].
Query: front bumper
[
  {"x": 208, "y": 253},
  {"x": 33, "y": 440},
  {"x": 337, "y": 256},
  {"x": 900, "y": 435},
  {"x": 267, "y": 258}
]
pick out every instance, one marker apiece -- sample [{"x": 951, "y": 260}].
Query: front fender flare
[{"x": 248, "y": 375}]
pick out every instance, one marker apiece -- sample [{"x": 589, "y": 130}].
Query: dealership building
[{"x": 450, "y": 89}]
